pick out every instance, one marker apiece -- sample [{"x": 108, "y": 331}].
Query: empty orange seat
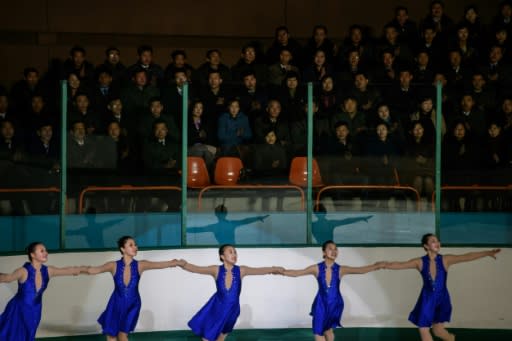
[
  {"x": 197, "y": 176},
  {"x": 299, "y": 172},
  {"x": 227, "y": 170}
]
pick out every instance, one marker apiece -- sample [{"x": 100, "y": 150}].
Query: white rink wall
[{"x": 480, "y": 290}]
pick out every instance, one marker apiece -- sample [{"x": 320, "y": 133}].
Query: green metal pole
[
  {"x": 439, "y": 127},
  {"x": 63, "y": 161},
  {"x": 309, "y": 214},
  {"x": 184, "y": 165}
]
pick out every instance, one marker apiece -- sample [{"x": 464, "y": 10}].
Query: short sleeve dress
[
  {"x": 328, "y": 304},
  {"x": 219, "y": 314},
  {"x": 123, "y": 307},
  {"x": 22, "y": 315},
  {"x": 434, "y": 305}
]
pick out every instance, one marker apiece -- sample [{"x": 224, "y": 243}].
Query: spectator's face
[
  {"x": 467, "y": 103},
  {"x": 214, "y": 58},
  {"x": 37, "y": 104},
  {"x": 350, "y": 105},
  {"x": 292, "y": 83},
  {"x": 437, "y": 10},
  {"x": 7, "y": 130},
  {"x": 146, "y": 58},
  {"x": 274, "y": 109},
  {"x": 180, "y": 78},
  {"x": 4, "y": 104},
  {"x": 506, "y": 11},
  {"x": 214, "y": 80},
  {"x": 79, "y": 131},
  {"x": 249, "y": 55},
  {"x": 501, "y": 36},
  {"x": 285, "y": 57},
  {"x": 507, "y": 106},
  {"x": 494, "y": 130},
  {"x": 459, "y": 131},
  {"x": 282, "y": 37},
  {"x": 74, "y": 82},
  {"x": 156, "y": 108},
  {"x": 495, "y": 55},
  {"x": 327, "y": 84},
  {"x": 478, "y": 82},
  {"x": 32, "y": 79},
  {"x": 382, "y": 132},
  {"x": 418, "y": 131},
  {"x": 356, "y": 36},
  {"x": 319, "y": 35},
  {"x": 361, "y": 82},
  {"x": 471, "y": 15},
  {"x": 45, "y": 133},
  {"x": 429, "y": 35},
  {"x": 455, "y": 58},
  {"x": 319, "y": 58},
  {"x": 353, "y": 58},
  {"x": 113, "y": 57},
  {"x": 114, "y": 131},
  {"x": 140, "y": 79},
  {"x": 104, "y": 79},
  {"x": 234, "y": 108},
  {"x": 342, "y": 132},
  {"x": 161, "y": 131},
  {"x": 391, "y": 34},
  {"x": 463, "y": 34},
  {"x": 423, "y": 59},
  {"x": 405, "y": 78},
  {"x": 198, "y": 109},
  {"x": 179, "y": 60},
  {"x": 402, "y": 17},
  {"x": 383, "y": 112},
  {"x": 82, "y": 103},
  {"x": 116, "y": 106},
  {"x": 250, "y": 82},
  {"x": 387, "y": 60},
  {"x": 426, "y": 105},
  {"x": 271, "y": 138},
  {"x": 78, "y": 58}
]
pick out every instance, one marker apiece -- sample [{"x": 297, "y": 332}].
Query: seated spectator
[
  {"x": 502, "y": 38},
  {"x": 22, "y": 91},
  {"x": 277, "y": 71},
  {"x": 214, "y": 95},
  {"x": 358, "y": 40},
  {"x": 418, "y": 168},
  {"x": 154, "y": 72},
  {"x": 442, "y": 24},
  {"x": 104, "y": 90},
  {"x": 402, "y": 96},
  {"x": 126, "y": 158},
  {"x": 44, "y": 150},
  {"x": 504, "y": 17},
  {"x": 496, "y": 147},
  {"x": 485, "y": 97},
  {"x": 347, "y": 69},
  {"x": 81, "y": 150},
  {"x": 368, "y": 97},
  {"x": 172, "y": 96},
  {"x": 135, "y": 97},
  {"x": 5, "y": 111},
  {"x": 497, "y": 72},
  {"x": 319, "y": 41},
  {"x": 386, "y": 72},
  {"x": 213, "y": 63},
  {"x": 390, "y": 41},
  {"x": 270, "y": 158},
  {"x": 146, "y": 122},
  {"x": 457, "y": 74},
  {"x": 292, "y": 97},
  {"x": 178, "y": 62},
  {"x": 284, "y": 41},
  {"x": 322, "y": 132},
  {"x": 475, "y": 26},
  {"x": 75, "y": 87},
  {"x": 78, "y": 65},
  {"x": 248, "y": 63},
  {"x": 233, "y": 131},
  {"x": 426, "y": 115},
  {"x": 423, "y": 74},
  {"x": 82, "y": 112},
  {"x": 11, "y": 147},
  {"x": 395, "y": 126},
  {"x": 474, "y": 119},
  {"x": 329, "y": 98},
  {"x": 430, "y": 43},
  {"x": 115, "y": 67},
  {"x": 160, "y": 153},
  {"x": 127, "y": 125},
  {"x": 462, "y": 43},
  {"x": 272, "y": 121},
  {"x": 37, "y": 114},
  {"x": 201, "y": 134},
  {"x": 407, "y": 29},
  {"x": 319, "y": 68},
  {"x": 253, "y": 97},
  {"x": 350, "y": 113}
]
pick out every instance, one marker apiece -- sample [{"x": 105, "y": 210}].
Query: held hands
[
  {"x": 174, "y": 263},
  {"x": 380, "y": 265},
  {"x": 277, "y": 270},
  {"x": 181, "y": 263},
  {"x": 492, "y": 253}
]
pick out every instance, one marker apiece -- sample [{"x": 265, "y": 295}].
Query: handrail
[
  {"x": 254, "y": 186},
  {"x": 30, "y": 190},
  {"x": 475, "y": 187},
  {"x": 121, "y": 188},
  {"x": 377, "y": 187}
]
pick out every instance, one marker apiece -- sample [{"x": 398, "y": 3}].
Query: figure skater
[
  {"x": 328, "y": 304},
  {"x": 22, "y": 315},
  {"x": 218, "y": 316},
  {"x": 434, "y": 307},
  {"x": 123, "y": 308}
]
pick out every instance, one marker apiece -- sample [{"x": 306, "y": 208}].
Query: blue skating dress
[
  {"x": 22, "y": 314},
  {"x": 328, "y": 304},
  {"x": 434, "y": 304},
  {"x": 219, "y": 314},
  {"x": 123, "y": 307}
]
